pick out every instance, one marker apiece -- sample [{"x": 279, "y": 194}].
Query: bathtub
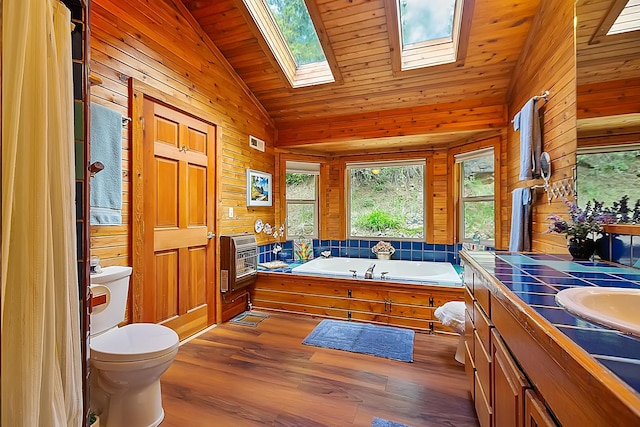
[{"x": 427, "y": 272}]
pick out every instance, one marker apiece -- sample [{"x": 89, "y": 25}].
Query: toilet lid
[{"x": 137, "y": 341}]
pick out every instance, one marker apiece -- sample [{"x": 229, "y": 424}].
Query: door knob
[{"x": 210, "y": 235}]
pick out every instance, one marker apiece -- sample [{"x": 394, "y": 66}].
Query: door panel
[
  {"x": 167, "y": 199},
  {"x": 166, "y": 284},
  {"x": 179, "y": 259}
]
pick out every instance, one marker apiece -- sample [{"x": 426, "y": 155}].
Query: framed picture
[{"x": 259, "y": 188}]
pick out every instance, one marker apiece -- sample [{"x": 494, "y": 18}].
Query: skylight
[
  {"x": 426, "y": 21},
  {"x": 427, "y": 33},
  {"x": 289, "y": 31},
  {"x": 628, "y": 20}
]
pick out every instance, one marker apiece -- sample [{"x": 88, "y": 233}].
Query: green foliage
[
  {"x": 297, "y": 28},
  {"x": 378, "y": 221},
  {"x": 297, "y": 178},
  {"x": 607, "y": 177}
]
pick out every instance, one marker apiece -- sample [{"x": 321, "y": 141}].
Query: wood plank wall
[
  {"x": 547, "y": 62},
  {"x": 154, "y": 43}
]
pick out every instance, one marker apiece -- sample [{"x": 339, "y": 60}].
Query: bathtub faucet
[{"x": 369, "y": 273}]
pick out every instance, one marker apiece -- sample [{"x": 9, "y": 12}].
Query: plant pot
[
  {"x": 383, "y": 255},
  {"x": 96, "y": 423},
  {"x": 581, "y": 249},
  {"x": 610, "y": 247}
]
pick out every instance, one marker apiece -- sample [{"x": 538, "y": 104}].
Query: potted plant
[
  {"x": 581, "y": 228},
  {"x": 94, "y": 419},
  {"x": 383, "y": 250}
]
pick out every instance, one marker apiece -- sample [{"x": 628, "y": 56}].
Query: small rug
[
  {"x": 381, "y": 341},
  {"x": 379, "y": 422},
  {"x": 249, "y": 318}
]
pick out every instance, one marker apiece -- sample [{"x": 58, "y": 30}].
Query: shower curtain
[{"x": 41, "y": 347}]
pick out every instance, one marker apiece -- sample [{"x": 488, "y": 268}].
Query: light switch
[{"x": 230, "y": 212}]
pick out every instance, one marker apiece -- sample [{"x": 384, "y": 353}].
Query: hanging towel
[
  {"x": 105, "y": 199},
  {"x": 527, "y": 122},
  {"x": 520, "y": 220}
]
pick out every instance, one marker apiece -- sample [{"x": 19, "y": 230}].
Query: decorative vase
[
  {"x": 610, "y": 247},
  {"x": 383, "y": 255},
  {"x": 581, "y": 249}
]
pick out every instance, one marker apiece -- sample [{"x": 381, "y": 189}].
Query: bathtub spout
[{"x": 369, "y": 273}]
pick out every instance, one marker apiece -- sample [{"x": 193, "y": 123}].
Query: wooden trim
[
  {"x": 316, "y": 18},
  {"x": 628, "y": 229},
  {"x": 220, "y": 57}
]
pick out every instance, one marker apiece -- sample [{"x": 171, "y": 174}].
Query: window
[
  {"x": 628, "y": 20},
  {"x": 477, "y": 201},
  {"x": 608, "y": 173},
  {"x": 289, "y": 31},
  {"x": 428, "y": 33},
  {"x": 622, "y": 21},
  {"x": 386, "y": 200},
  {"x": 302, "y": 199}
]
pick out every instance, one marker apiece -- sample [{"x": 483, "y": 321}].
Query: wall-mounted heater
[{"x": 238, "y": 261}]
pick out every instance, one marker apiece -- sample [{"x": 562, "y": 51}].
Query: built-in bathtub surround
[
  {"x": 405, "y": 250},
  {"x": 537, "y": 278}
]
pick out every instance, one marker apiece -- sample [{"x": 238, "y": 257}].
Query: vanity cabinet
[
  {"x": 388, "y": 303},
  {"x": 502, "y": 394}
]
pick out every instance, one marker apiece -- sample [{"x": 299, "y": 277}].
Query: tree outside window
[{"x": 477, "y": 204}]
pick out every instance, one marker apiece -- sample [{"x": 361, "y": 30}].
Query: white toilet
[{"x": 126, "y": 362}]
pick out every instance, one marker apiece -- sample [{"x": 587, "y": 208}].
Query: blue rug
[
  {"x": 379, "y": 422},
  {"x": 381, "y": 341}
]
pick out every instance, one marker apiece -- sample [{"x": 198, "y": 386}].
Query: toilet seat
[{"x": 134, "y": 342}]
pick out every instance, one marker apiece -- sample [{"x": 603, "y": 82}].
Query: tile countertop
[{"x": 536, "y": 278}]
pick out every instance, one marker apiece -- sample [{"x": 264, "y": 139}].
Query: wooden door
[{"x": 179, "y": 223}]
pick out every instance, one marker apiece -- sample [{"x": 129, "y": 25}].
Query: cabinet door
[
  {"x": 536, "y": 414},
  {"x": 509, "y": 386}
]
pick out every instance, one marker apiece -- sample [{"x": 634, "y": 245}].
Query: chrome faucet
[{"x": 369, "y": 273}]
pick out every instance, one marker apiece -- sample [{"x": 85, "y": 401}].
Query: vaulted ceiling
[{"x": 375, "y": 107}]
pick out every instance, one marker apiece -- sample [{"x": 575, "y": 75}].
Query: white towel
[
  {"x": 527, "y": 122},
  {"x": 520, "y": 239}
]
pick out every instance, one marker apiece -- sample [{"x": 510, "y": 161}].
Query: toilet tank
[{"x": 113, "y": 282}]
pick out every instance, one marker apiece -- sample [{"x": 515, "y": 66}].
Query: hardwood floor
[{"x": 240, "y": 376}]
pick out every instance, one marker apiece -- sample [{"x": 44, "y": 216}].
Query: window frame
[
  {"x": 315, "y": 202},
  {"x": 459, "y": 160},
  {"x": 383, "y": 164}
]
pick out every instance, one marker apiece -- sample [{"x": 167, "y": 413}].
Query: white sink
[{"x": 616, "y": 308}]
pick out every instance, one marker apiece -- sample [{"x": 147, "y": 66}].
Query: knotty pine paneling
[
  {"x": 155, "y": 43},
  {"x": 547, "y": 62},
  {"x": 358, "y": 34}
]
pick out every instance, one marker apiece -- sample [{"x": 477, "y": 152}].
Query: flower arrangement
[
  {"x": 582, "y": 223},
  {"x": 383, "y": 247}
]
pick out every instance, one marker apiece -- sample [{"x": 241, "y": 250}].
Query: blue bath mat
[
  {"x": 381, "y": 341},
  {"x": 379, "y": 422}
]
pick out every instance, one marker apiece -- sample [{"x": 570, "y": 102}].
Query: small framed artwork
[{"x": 259, "y": 186}]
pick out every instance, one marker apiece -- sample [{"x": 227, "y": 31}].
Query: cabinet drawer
[
  {"x": 483, "y": 326},
  {"x": 482, "y": 295},
  {"x": 482, "y": 362},
  {"x": 470, "y": 370},
  {"x": 468, "y": 334},
  {"x": 483, "y": 409},
  {"x": 468, "y": 302},
  {"x": 535, "y": 413}
]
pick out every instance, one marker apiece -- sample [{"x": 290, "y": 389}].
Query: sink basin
[{"x": 616, "y": 308}]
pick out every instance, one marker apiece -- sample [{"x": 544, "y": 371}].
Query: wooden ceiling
[
  {"x": 608, "y": 74},
  {"x": 381, "y": 110},
  {"x": 358, "y": 35}
]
